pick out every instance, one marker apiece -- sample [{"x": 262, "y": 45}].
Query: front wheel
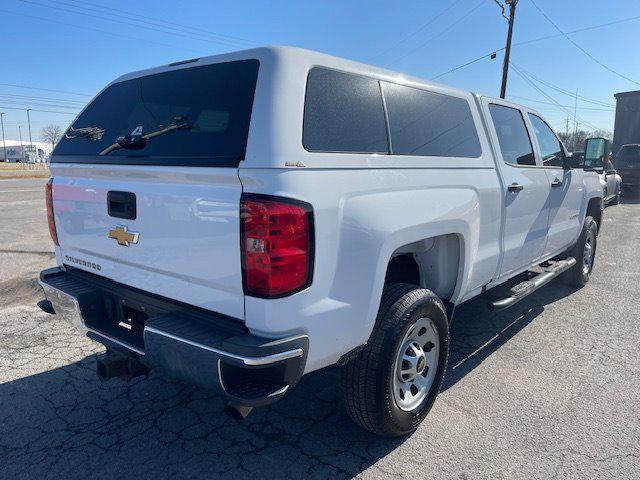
[
  {"x": 392, "y": 384},
  {"x": 584, "y": 251}
]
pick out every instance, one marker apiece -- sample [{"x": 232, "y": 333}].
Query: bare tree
[
  {"x": 51, "y": 133},
  {"x": 574, "y": 141}
]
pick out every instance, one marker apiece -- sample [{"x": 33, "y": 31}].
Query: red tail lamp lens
[
  {"x": 48, "y": 191},
  {"x": 277, "y": 245}
]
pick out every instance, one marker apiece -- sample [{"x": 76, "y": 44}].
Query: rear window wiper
[{"x": 138, "y": 142}]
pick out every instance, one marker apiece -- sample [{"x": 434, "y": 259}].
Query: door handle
[
  {"x": 556, "y": 182},
  {"x": 515, "y": 187},
  {"x": 121, "y": 204}
]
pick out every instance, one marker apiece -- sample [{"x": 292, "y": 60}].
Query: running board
[{"x": 526, "y": 288}]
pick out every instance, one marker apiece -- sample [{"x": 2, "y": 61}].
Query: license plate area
[{"x": 118, "y": 318}]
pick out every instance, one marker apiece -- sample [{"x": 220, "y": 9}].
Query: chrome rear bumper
[{"x": 197, "y": 346}]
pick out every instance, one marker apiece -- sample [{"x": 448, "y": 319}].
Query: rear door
[
  {"x": 146, "y": 189},
  {"x": 526, "y": 188},
  {"x": 566, "y": 193}
]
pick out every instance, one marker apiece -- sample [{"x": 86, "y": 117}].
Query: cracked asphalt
[{"x": 547, "y": 389}]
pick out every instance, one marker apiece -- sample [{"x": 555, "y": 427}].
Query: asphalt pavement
[{"x": 547, "y": 389}]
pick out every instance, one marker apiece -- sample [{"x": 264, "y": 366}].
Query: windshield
[{"x": 192, "y": 116}]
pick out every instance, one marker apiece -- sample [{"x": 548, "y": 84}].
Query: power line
[
  {"x": 418, "y": 30},
  {"x": 138, "y": 23},
  {"x": 579, "y": 30},
  {"x": 38, "y": 110},
  {"x": 44, "y": 89},
  {"x": 535, "y": 40},
  {"x": 76, "y": 103},
  {"x": 40, "y": 104},
  {"x": 439, "y": 34},
  {"x": 159, "y": 22},
  {"x": 566, "y": 92},
  {"x": 463, "y": 65},
  {"x": 566, "y": 106},
  {"x": 104, "y": 32},
  {"x": 606, "y": 67},
  {"x": 555, "y": 103},
  {"x": 501, "y": 7}
]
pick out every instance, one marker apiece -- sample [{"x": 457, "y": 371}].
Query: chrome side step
[{"x": 526, "y": 288}]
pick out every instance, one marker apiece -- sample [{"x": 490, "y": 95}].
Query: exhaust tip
[{"x": 238, "y": 412}]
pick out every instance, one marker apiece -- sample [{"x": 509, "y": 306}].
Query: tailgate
[{"x": 187, "y": 225}]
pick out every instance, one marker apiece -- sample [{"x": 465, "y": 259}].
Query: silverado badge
[{"x": 123, "y": 236}]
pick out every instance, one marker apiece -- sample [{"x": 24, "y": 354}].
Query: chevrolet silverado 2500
[{"x": 243, "y": 219}]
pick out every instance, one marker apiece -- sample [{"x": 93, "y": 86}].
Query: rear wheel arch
[{"x": 435, "y": 263}]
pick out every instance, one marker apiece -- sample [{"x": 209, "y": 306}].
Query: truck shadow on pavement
[
  {"x": 65, "y": 423},
  {"x": 477, "y": 332}
]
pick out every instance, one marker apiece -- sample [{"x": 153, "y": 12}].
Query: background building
[
  {"x": 627, "y": 127},
  {"x": 24, "y": 152}
]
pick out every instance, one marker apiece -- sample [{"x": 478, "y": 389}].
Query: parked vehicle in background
[
  {"x": 627, "y": 124},
  {"x": 578, "y": 157},
  {"x": 243, "y": 219},
  {"x": 628, "y": 163},
  {"x": 598, "y": 157}
]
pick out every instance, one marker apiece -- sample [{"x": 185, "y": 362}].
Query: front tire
[
  {"x": 392, "y": 384},
  {"x": 584, "y": 251}
]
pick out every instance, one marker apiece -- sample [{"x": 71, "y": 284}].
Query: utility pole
[
  {"x": 21, "y": 145},
  {"x": 30, "y": 141},
  {"x": 575, "y": 122},
  {"x": 507, "y": 52},
  {"x": 4, "y": 144}
]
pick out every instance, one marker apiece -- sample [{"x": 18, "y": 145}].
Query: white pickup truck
[{"x": 243, "y": 219}]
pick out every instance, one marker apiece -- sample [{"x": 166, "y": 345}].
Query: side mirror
[
  {"x": 569, "y": 162},
  {"x": 594, "y": 151}
]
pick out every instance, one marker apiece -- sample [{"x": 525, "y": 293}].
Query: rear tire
[
  {"x": 407, "y": 352},
  {"x": 584, "y": 251}
]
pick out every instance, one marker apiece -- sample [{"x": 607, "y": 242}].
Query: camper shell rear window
[{"x": 196, "y": 116}]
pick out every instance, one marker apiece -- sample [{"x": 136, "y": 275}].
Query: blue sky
[{"x": 79, "y": 46}]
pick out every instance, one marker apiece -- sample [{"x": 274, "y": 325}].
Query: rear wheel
[
  {"x": 392, "y": 384},
  {"x": 584, "y": 251}
]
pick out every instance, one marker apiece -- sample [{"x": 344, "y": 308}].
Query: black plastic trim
[{"x": 312, "y": 243}]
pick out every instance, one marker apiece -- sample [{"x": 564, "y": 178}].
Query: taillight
[
  {"x": 48, "y": 191},
  {"x": 277, "y": 245}
]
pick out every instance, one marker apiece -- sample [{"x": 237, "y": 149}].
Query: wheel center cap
[{"x": 421, "y": 364}]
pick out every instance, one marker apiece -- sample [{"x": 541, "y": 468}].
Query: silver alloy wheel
[
  {"x": 416, "y": 364},
  {"x": 589, "y": 250}
]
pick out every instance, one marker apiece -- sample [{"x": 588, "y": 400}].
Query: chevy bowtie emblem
[{"x": 123, "y": 236}]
